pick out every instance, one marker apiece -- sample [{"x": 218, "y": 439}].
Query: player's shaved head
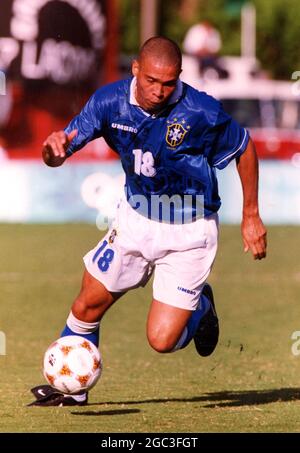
[
  {"x": 163, "y": 50},
  {"x": 156, "y": 72}
]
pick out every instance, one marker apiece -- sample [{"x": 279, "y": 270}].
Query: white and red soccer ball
[{"x": 72, "y": 364}]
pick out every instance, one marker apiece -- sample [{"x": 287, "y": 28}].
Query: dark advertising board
[{"x": 51, "y": 54}]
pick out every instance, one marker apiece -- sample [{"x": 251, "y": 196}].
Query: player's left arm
[{"x": 253, "y": 230}]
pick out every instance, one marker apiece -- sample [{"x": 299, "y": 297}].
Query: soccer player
[{"x": 170, "y": 139}]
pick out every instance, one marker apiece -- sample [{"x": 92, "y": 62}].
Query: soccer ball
[{"x": 72, "y": 364}]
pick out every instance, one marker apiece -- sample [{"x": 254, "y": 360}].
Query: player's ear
[{"x": 135, "y": 68}]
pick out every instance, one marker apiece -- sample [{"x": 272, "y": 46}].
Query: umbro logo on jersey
[{"x": 123, "y": 127}]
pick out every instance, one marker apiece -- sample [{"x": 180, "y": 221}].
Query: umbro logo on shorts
[{"x": 188, "y": 291}]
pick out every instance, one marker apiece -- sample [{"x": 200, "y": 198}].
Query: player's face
[{"x": 156, "y": 82}]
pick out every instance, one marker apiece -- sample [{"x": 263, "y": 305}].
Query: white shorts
[{"x": 181, "y": 256}]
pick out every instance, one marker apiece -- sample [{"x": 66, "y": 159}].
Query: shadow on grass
[
  {"x": 251, "y": 397},
  {"x": 225, "y": 398},
  {"x": 110, "y": 412}
]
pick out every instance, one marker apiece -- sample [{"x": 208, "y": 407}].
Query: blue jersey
[{"x": 173, "y": 153}]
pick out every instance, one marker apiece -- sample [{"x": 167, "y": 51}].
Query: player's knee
[{"x": 161, "y": 341}]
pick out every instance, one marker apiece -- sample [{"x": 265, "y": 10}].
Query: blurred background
[{"x": 55, "y": 53}]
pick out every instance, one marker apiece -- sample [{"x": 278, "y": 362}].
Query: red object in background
[
  {"x": 276, "y": 143},
  {"x": 26, "y": 132},
  {"x": 55, "y": 70}
]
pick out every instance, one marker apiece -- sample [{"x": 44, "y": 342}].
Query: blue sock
[
  {"x": 93, "y": 336},
  {"x": 194, "y": 320}
]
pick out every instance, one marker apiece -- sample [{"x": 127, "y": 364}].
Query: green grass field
[{"x": 250, "y": 384}]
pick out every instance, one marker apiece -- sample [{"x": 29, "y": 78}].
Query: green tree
[
  {"x": 278, "y": 44},
  {"x": 129, "y": 11},
  {"x": 277, "y": 28}
]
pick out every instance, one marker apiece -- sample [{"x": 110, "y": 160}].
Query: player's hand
[
  {"x": 254, "y": 236},
  {"x": 55, "y": 147}
]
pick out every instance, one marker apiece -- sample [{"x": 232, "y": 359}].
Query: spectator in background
[{"x": 203, "y": 42}]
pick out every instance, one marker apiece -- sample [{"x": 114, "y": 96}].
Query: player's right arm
[
  {"x": 83, "y": 128},
  {"x": 55, "y": 147}
]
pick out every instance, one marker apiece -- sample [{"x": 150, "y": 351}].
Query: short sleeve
[
  {"x": 225, "y": 140},
  {"x": 88, "y": 123}
]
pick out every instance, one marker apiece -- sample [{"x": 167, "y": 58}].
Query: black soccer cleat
[
  {"x": 48, "y": 396},
  {"x": 207, "y": 334}
]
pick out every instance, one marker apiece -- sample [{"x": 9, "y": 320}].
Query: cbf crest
[{"x": 176, "y": 132}]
